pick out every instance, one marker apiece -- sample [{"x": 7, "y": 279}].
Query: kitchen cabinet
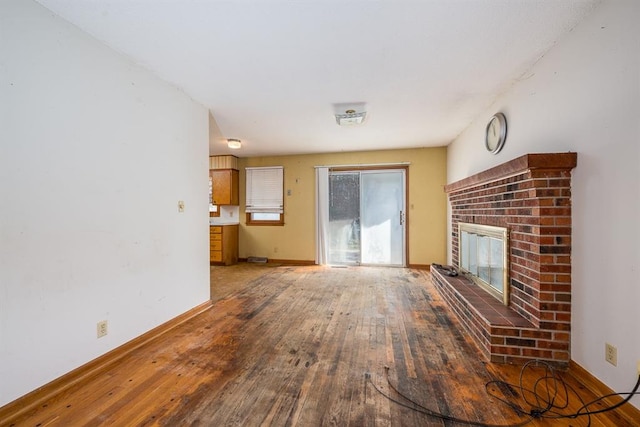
[
  {"x": 223, "y": 244},
  {"x": 224, "y": 186}
]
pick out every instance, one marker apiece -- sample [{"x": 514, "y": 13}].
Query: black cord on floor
[
  {"x": 543, "y": 401},
  {"x": 414, "y": 406},
  {"x": 548, "y": 390}
]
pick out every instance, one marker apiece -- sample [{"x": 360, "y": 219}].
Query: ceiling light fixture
[
  {"x": 234, "y": 144},
  {"x": 350, "y": 118}
]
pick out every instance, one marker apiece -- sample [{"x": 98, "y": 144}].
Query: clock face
[
  {"x": 493, "y": 132},
  {"x": 496, "y": 133}
]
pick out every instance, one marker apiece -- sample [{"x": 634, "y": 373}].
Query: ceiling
[{"x": 273, "y": 73}]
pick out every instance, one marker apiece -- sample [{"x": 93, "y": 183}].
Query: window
[{"x": 265, "y": 204}]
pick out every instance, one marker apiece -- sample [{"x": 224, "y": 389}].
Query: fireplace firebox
[{"x": 483, "y": 257}]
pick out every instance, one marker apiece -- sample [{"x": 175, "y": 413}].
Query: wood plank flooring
[{"x": 304, "y": 346}]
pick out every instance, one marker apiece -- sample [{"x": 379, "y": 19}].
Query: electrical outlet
[
  {"x": 102, "y": 328},
  {"x": 180, "y": 206},
  {"x": 611, "y": 354}
]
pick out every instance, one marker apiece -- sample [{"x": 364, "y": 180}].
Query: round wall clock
[{"x": 496, "y": 133}]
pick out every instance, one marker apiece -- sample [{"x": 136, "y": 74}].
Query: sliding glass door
[
  {"x": 366, "y": 217},
  {"x": 344, "y": 218},
  {"x": 382, "y": 202}
]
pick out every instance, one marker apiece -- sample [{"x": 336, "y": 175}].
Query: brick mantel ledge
[{"x": 532, "y": 161}]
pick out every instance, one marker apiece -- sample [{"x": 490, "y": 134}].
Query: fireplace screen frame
[{"x": 489, "y": 235}]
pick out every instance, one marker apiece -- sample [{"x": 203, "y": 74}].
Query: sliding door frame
[{"x": 406, "y": 195}]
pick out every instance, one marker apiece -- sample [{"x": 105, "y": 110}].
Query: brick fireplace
[{"x": 531, "y": 197}]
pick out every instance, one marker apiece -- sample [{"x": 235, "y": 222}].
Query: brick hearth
[{"x": 531, "y": 197}]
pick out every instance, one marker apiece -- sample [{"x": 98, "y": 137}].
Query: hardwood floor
[{"x": 305, "y": 346}]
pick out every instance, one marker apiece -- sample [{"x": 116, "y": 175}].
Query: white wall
[
  {"x": 584, "y": 96},
  {"x": 95, "y": 153}
]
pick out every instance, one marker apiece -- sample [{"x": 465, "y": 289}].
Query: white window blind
[{"x": 265, "y": 189}]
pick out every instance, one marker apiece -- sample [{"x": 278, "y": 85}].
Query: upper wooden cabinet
[{"x": 224, "y": 186}]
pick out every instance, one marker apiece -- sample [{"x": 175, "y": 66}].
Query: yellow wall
[{"x": 295, "y": 240}]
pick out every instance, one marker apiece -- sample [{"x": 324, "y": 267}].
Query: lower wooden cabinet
[{"x": 223, "y": 244}]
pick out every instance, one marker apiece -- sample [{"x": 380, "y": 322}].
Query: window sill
[{"x": 253, "y": 222}]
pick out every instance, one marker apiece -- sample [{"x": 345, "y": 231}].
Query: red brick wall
[{"x": 531, "y": 197}]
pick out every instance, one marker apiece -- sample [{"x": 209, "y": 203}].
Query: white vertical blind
[{"x": 265, "y": 189}]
